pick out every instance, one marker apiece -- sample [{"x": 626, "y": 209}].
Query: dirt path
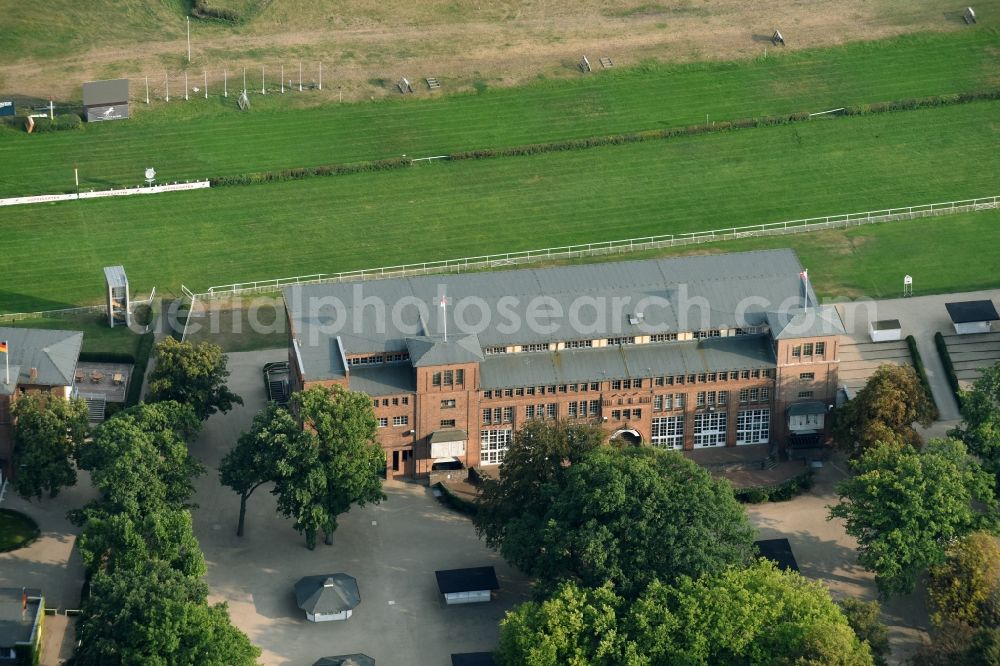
[{"x": 467, "y": 44}]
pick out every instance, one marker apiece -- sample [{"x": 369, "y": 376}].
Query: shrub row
[
  {"x": 203, "y": 10},
  {"x": 918, "y": 365},
  {"x": 779, "y": 492},
  {"x": 949, "y": 368},
  {"x": 64, "y": 121},
  {"x": 144, "y": 351},
  {"x": 453, "y": 501},
  {"x": 107, "y": 357},
  {"x": 604, "y": 140}
]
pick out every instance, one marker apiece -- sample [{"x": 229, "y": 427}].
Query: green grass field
[
  {"x": 445, "y": 210},
  {"x": 16, "y": 530},
  {"x": 206, "y": 138}
]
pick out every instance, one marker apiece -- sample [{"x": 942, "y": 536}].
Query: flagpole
[{"x": 6, "y": 362}]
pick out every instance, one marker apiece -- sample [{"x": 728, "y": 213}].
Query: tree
[
  {"x": 139, "y": 460},
  {"x": 904, "y": 506},
  {"x": 535, "y": 466},
  {"x": 980, "y": 428},
  {"x": 755, "y": 615},
  {"x": 966, "y": 587},
  {"x": 192, "y": 375},
  {"x": 157, "y": 616},
  {"x": 627, "y": 516},
  {"x": 112, "y": 543},
  {"x": 884, "y": 410},
  {"x": 47, "y": 433},
  {"x": 336, "y": 465},
  {"x": 863, "y": 616},
  {"x": 269, "y": 446}
]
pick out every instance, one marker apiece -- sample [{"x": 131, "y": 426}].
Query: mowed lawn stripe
[
  {"x": 197, "y": 139},
  {"x": 446, "y": 210}
]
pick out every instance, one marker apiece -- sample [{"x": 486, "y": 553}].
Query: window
[
  {"x": 487, "y": 416},
  {"x": 494, "y": 350},
  {"x": 493, "y": 446},
  {"x": 637, "y": 413},
  {"x": 364, "y": 360},
  {"x": 572, "y": 410},
  {"x": 807, "y": 376},
  {"x": 616, "y": 384},
  {"x": 530, "y": 390},
  {"x": 820, "y": 349},
  {"x": 383, "y": 422},
  {"x": 765, "y": 394},
  {"x": 663, "y": 337},
  {"x": 375, "y": 402},
  {"x": 508, "y": 414},
  {"x": 497, "y": 414},
  {"x": 400, "y": 421},
  {"x": 659, "y": 381},
  {"x": 691, "y": 379},
  {"x": 807, "y": 349},
  {"x": 405, "y": 400},
  {"x": 529, "y": 411},
  {"x": 595, "y": 386},
  {"x": 447, "y": 404},
  {"x": 658, "y": 403},
  {"x": 734, "y": 375},
  {"x": 577, "y": 344},
  {"x": 744, "y": 396},
  {"x": 616, "y": 415},
  {"x": 753, "y": 426},
  {"x": 595, "y": 407},
  {"x": 407, "y": 454},
  {"x": 710, "y": 398},
  {"x": 805, "y": 394},
  {"x": 562, "y": 388},
  {"x": 449, "y": 378},
  {"x": 755, "y": 395},
  {"x": 667, "y": 402},
  {"x": 460, "y": 377},
  {"x": 744, "y": 374},
  {"x": 668, "y": 432},
  {"x": 796, "y": 351},
  {"x": 723, "y": 397},
  {"x": 519, "y": 392},
  {"x": 583, "y": 409},
  {"x": 700, "y": 399},
  {"x": 679, "y": 379},
  {"x": 447, "y": 423},
  {"x": 702, "y": 377},
  {"x": 678, "y": 401},
  {"x": 535, "y": 348},
  {"x": 711, "y": 376},
  {"x": 755, "y": 374},
  {"x": 436, "y": 379},
  {"x": 709, "y": 429},
  {"x": 628, "y": 340},
  {"x": 385, "y": 402},
  {"x": 550, "y": 410},
  {"x": 573, "y": 388},
  {"x": 551, "y": 390},
  {"x": 487, "y": 395}
]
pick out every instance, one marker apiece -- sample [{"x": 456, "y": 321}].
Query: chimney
[{"x": 33, "y": 374}]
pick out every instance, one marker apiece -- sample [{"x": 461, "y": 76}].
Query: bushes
[
  {"x": 949, "y": 368},
  {"x": 139, "y": 372},
  {"x": 455, "y": 502},
  {"x": 299, "y": 174},
  {"x": 64, "y": 121},
  {"x": 780, "y": 492},
  {"x": 918, "y": 365},
  {"x": 203, "y": 10}
]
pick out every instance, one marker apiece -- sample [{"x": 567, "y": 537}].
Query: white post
[
  {"x": 262, "y": 90},
  {"x": 147, "y": 90},
  {"x": 321, "y": 76},
  {"x": 185, "y": 86},
  {"x": 225, "y": 83},
  {"x": 52, "y": 110},
  {"x": 168, "y": 87},
  {"x": 189, "y": 37},
  {"x": 300, "y": 77},
  {"x": 282, "y": 79},
  {"x": 76, "y": 176},
  {"x": 244, "y": 80}
]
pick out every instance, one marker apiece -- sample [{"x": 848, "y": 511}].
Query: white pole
[
  {"x": 262, "y": 90},
  {"x": 321, "y": 76},
  {"x": 282, "y": 79},
  {"x": 206, "y": 83},
  {"x": 51, "y": 110},
  {"x": 76, "y": 176},
  {"x": 168, "y": 87},
  {"x": 300, "y": 77},
  {"x": 189, "y": 37},
  {"x": 225, "y": 83},
  {"x": 185, "y": 86},
  {"x": 147, "y": 90},
  {"x": 244, "y": 80}
]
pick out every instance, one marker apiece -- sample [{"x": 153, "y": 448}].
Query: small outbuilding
[
  {"x": 467, "y": 586},
  {"x": 885, "y": 330},
  {"x": 972, "y": 316},
  {"x": 472, "y": 659},
  {"x": 346, "y": 660},
  {"x": 778, "y": 551},
  {"x": 327, "y": 597}
]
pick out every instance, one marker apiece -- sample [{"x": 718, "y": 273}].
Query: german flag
[{"x": 3, "y": 346}]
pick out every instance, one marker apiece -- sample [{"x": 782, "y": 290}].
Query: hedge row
[
  {"x": 203, "y": 10},
  {"x": 949, "y": 368},
  {"x": 64, "y": 121},
  {"x": 779, "y": 492},
  {"x": 604, "y": 140},
  {"x": 142, "y": 355},
  {"x": 918, "y": 365},
  {"x": 453, "y": 501}
]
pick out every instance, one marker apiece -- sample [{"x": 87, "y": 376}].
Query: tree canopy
[
  {"x": 980, "y": 428},
  {"x": 193, "y": 375},
  {"x": 269, "y": 449},
  {"x": 157, "y": 616},
  {"x": 904, "y": 506},
  {"x": 112, "y": 543},
  {"x": 754, "y": 615},
  {"x": 48, "y": 432},
  {"x": 336, "y": 464},
  {"x": 965, "y": 589},
  {"x": 884, "y": 410},
  {"x": 624, "y": 515}
]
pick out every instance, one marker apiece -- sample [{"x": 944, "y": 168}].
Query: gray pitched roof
[
  {"x": 571, "y": 366},
  {"x": 53, "y": 354},
  {"x": 700, "y": 292},
  {"x": 327, "y": 593},
  {"x": 427, "y": 350},
  {"x": 799, "y": 323},
  {"x": 389, "y": 379}
]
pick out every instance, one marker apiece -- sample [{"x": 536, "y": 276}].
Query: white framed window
[
  {"x": 595, "y": 407},
  {"x": 535, "y": 348},
  {"x": 508, "y": 414},
  {"x": 550, "y": 410},
  {"x": 493, "y": 446},
  {"x": 529, "y": 411},
  {"x": 572, "y": 410},
  {"x": 487, "y": 415},
  {"x": 383, "y": 422},
  {"x": 710, "y": 429},
  {"x": 668, "y": 432},
  {"x": 579, "y": 344},
  {"x": 400, "y": 420},
  {"x": 753, "y": 426}
]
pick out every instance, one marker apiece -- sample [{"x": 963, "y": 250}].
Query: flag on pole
[{"x": 3, "y": 346}]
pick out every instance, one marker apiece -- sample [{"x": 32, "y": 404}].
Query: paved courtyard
[{"x": 392, "y": 549}]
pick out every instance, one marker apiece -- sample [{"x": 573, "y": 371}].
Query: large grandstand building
[{"x": 685, "y": 353}]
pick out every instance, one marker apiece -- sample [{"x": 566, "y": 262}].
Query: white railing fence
[{"x": 609, "y": 247}]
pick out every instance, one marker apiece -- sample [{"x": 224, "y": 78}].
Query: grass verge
[
  {"x": 918, "y": 365},
  {"x": 16, "y": 530}
]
